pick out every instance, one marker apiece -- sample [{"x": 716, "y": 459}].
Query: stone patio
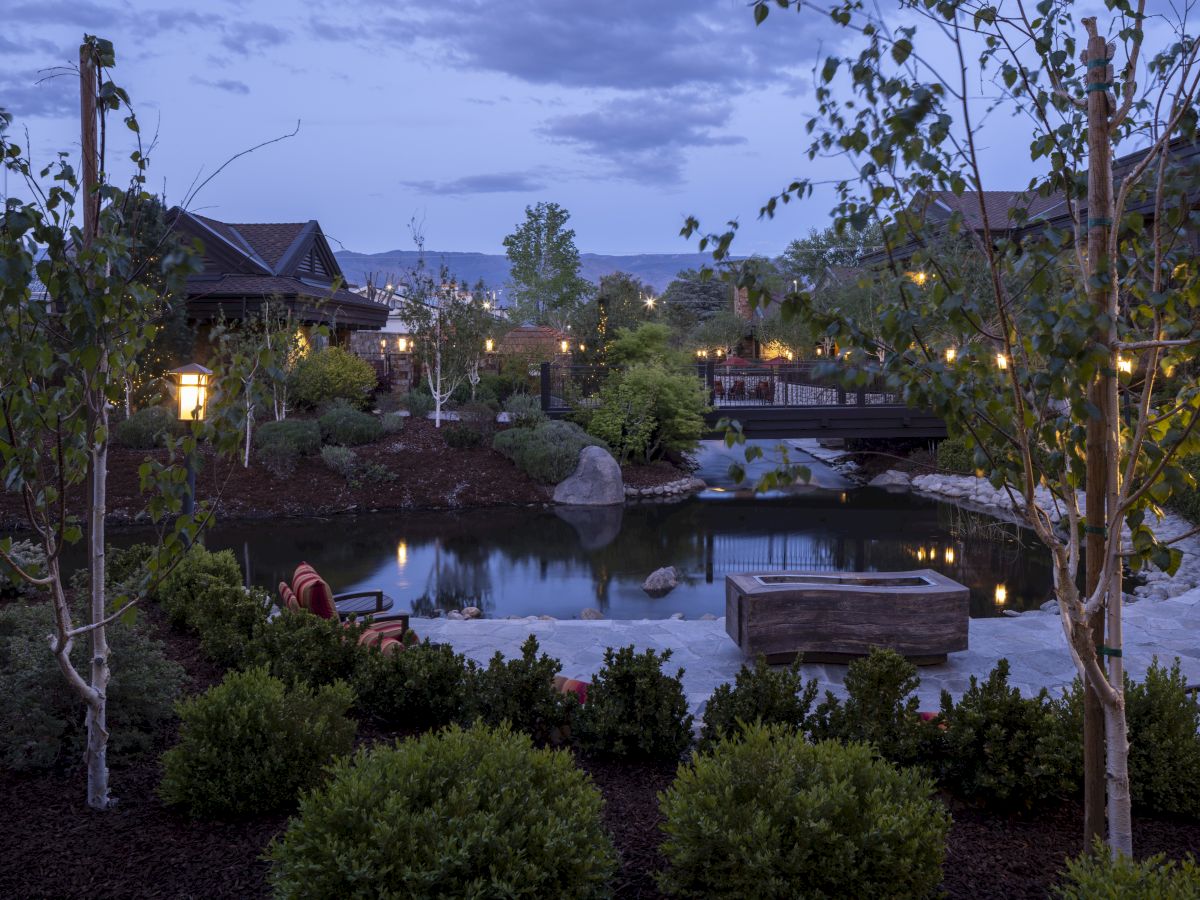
[{"x": 1033, "y": 644}]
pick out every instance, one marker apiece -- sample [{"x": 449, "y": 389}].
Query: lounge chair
[{"x": 310, "y": 592}]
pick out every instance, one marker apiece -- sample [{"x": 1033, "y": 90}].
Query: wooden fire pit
[{"x": 837, "y": 616}]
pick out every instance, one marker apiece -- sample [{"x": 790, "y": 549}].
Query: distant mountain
[{"x": 655, "y": 269}]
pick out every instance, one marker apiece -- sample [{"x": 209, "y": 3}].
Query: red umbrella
[
  {"x": 736, "y": 361},
  {"x": 776, "y": 361}
]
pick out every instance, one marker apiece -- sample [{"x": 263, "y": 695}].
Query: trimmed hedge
[
  {"x": 769, "y": 815},
  {"x": 477, "y": 813}
]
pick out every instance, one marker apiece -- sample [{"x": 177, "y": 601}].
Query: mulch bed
[
  {"x": 653, "y": 475},
  {"x": 54, "y": 846},
  {"x": 429, "y": 475}
]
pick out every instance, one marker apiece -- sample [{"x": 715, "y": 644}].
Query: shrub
[
  {"x": 482, "y": 419},
  {"x": 647, "y": 411},
  {"x": 1098, "y": 874},
  {"x": 634, "y": 708},
  {"x": 251, "y": 743},
  {"x": 192, "y": 575},
  {"x": 341, "y": 461},
  {"x": 426, "y": 686},
  {"x": 391, "y": 423},
  {"x": 521, "y": 691},
  {"x": 768, "y": 815},
  {"x": 42, "y": 719},
  {"x": 1003, "y": 749},
  {"x": 1164, "y": 740},
  {"x": 462, "y": 437},
  {"x": 279, "y": 445},
  {"x": 145, "y": 429},
  {"x": 760, "y": 695},
  {"x": 31, "y": 558},
  {"x": 341, "y": 424},
  {"x": 881, "y": 708},
  {"x": 477, "y": 813},
  {"x": 332, "y": 374},
  {"x": 954, "y": 454},
  {"x": 502, "y": 386},
  {"x": 227, "y": 618},
  {"x": 547, "y": 453},
  {"x": 297, "y": 647},
  {"x": 419, "y": 403},
  {"x": 524, "y": 411}
]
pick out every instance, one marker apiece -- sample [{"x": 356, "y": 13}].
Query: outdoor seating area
[{"x": 309, "y": 592}]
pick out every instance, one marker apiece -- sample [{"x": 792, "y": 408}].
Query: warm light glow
[
  {"x": 843, "y": 497},
  {"x": 1179, "y": 270},
  {"x": 402, "y": 344},
  {"x": 191, "y": 383},
  {"x": 582, "y": 347},
  {"x": 1001, "y": 595},
  {"x": 951, "y": 353},
  {"x": 1001, "y": 361},
  {"x": 820, "y": 351},
  {"x": 383, "y": 343},
  {"x": 949, "y": 556},
  {"x": 487, "y": 304},
  {"x": 649, "y": 301},
  {"x": 918, "y": 278},
  {"x": 791, "y": 356},
  {"x": 1124, "y": 365},
  {"x": 391, "y": 287},
  {"x": 920, "y": 554},
  {"x": 401, "y": 554},
  {"x": 564, "y": 346},
  {"x": 489, "y": 345}
]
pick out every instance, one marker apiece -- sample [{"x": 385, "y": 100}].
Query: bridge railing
[{"x": 804, "y": 384}]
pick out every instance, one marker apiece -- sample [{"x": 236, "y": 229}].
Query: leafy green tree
[
  {"x": 722, "y": 331},
  {"x": 545, "y": 284},
  {"x": 1064, "y": 382},
  {"x": 621, "y": 302},
  {"x": 805, "y": 261},
  {"x": 692, "y": 299},
  {"x": 66, "y": 360}
]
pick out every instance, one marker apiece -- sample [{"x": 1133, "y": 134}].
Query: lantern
[
  {"x": 402, "y": 345},
  {"x": 191, "y": 390},
  {"x": 1001, "y": 361},
  {"x": 564, "y": 346},
  {"x": 951, "y": 353},
  {"x": 489, "y": 345}
]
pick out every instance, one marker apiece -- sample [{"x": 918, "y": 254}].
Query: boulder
[
  {"x": 595, "y": 482},
  {"x": 661, "y": 582},
  {"x": 708, "y": 617},
  {"x": 471, "y": 612},
  {"x": 589, "y": 613},
  {"x": 455, "y": 614},
  {"x": 890, "y": 479}
]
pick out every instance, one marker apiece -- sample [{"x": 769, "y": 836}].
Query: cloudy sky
[{"x": 631, "y": 113}]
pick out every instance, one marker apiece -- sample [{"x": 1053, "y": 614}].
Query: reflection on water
[{"x": 556, "y": 562}]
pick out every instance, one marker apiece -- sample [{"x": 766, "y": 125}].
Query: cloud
[
  {"x": 622, "y": 44},
  {"x": 249, "y": 37},
  {"x": 490, "y": 183},
  {"x": 34, "y": 45},
  {"x": 229, "y": 85},
  {"x": 32, "y": 94},
  {"x": 644, "y": 138},
  {"x": 56, "y": 12}
]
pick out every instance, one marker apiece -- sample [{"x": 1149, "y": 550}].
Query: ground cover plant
[
  {"x": 1098, "y": 874},
  {"x": 251, "y": 743},
  {"x": 634, "y": 708},
  {"x": 475, "y": 813},
  {"x": 767, "y": 814}
]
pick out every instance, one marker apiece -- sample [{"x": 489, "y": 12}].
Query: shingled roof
[{"x": 246, "y": 264}]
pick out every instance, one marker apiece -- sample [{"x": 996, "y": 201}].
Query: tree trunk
[{"x": 97, "y": 711}]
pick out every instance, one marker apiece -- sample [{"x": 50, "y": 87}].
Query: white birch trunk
[{"x": 97, "y": 711}]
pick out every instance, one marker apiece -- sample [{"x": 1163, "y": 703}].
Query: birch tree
[
  {"x": 1065, "y": 374},
  {"x": 66, "y": 358}
]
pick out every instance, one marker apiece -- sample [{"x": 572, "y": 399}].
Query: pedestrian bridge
[{"x": 797, "y": 400}]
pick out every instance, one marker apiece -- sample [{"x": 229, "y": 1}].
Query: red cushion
[
  {"x": 573, "y": 686},
  {"x": 312, "y": 592},
  {"x": 389, "y": 637},
  {"x": 288, "y": 597}
]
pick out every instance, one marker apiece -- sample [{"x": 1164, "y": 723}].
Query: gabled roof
[
  {"x": 999, "y": 206},
  {"x": 247, "y": 263}
]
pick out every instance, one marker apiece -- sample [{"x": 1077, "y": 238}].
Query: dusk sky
[{"x": 630, "y": 113}]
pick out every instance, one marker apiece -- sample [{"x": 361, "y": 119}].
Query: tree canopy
[{"x": 545, "y": 285}]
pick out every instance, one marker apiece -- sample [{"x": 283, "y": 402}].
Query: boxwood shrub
[
  {"x": 278, "y": 446},
  {"x": 768, "y": 815},
  {"x": 349, "y": 427},
  {"x": 760, "y": 695},
  {"x": 477, "y": 813},
  {"x": 419, "y": 403},
  {"x": 198, "y": 570},
  {"x": 298, "y": 647},
  {"x": 425, "y": 686},
  {"x": 521, "y": 691},
  {"x": 251, "y": 743},
  {"x": 548, "y": 452},
  {"x": 634, "y": 708},
  {"x": 145, "y": 429},
  {"x": 1098, "y": 874}
]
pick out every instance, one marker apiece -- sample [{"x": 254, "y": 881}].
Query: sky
[{"x": 630, "y": 113}]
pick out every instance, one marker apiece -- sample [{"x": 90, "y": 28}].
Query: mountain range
[{"x": 655, "y": 269}]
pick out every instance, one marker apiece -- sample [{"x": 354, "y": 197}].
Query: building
[{"x": 290, "y": 263}]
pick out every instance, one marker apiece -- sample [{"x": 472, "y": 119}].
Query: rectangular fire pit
[{"x": 837, "y": 616}]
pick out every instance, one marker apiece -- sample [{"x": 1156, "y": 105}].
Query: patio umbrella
[
  {"x": 776, "y": 361},
  {"x": 736, "y": 361}
]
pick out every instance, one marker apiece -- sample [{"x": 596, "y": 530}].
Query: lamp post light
[
  {"x": 191, "y": 396},
  {"x": 489, "y": 345}
]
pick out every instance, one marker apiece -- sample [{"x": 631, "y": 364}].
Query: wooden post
[
  {"x": 89, "y": 143},
  {"x": 1099, "y": 203}
]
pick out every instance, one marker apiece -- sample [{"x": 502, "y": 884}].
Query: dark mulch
[
  {"x": 652, "y": 475},
  {"x": 429, "y": 475}
]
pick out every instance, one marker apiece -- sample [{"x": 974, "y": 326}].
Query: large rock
[
  {"x": 595, "y": 482},
  {"x": 891, "y": 479},
  {"x": 591, "y": 613},
  {"x": 661, "y": 582}
]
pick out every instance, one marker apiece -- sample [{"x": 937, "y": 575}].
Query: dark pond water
[{"x": 532, "y": 562}]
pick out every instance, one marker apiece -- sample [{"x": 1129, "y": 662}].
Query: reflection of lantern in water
[
  {"x": 920, "y": 554},
  {"x": 401, "y": 555},
  {"x": 1001, "y": 595},
  {"x": 949, "y": 556}
]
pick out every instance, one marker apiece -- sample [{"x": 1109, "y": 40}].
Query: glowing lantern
[
  {"x": 191, "y": 383},
  {"x": 951, "y": 353},
  {"x": 402, "y": 344},
  {"x": 489, "y": 345},
  {"x": 1124, "y": 365},
  {"x": 1001, "y": 362},
  {"x": 1001, "y": 595},
  {"x": 564, "y": 346}
]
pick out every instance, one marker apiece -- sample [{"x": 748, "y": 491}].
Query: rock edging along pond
[{"x": 973, "y": 491}]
